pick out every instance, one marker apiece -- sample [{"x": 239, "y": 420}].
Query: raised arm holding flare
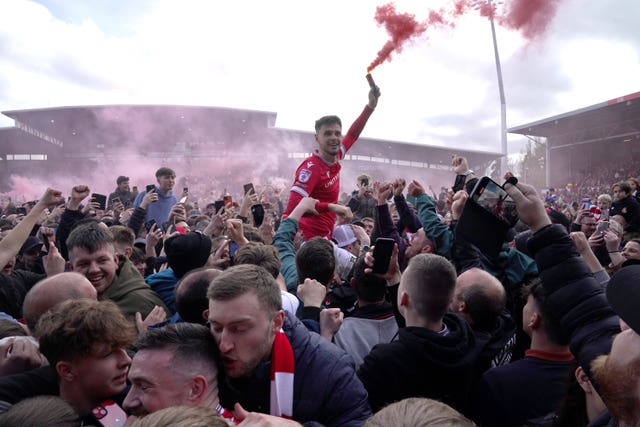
[{"x": 318, "y": 176}]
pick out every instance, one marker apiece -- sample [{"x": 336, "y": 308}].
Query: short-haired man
[
  {"x": 123, "y": 239},
  {"x": 266, "y": 256},
  {"x": 85, "y": 342},
  {"x": 319, "y": 175},
  {"x": 121, "y": 192},
  {"x": 52, "y": 291},
  {"x": 192, "y": 304},
  {"x": 585, "y": 222},
  {"x": 369, "y": 223},
  {"x": 480, "y": 299},
  {"x": 435, "y": 354},
  {"x": 160, "y": 208},
  {"x": 92, "y": 254},
  {"x": 272, "y": 363},
  {"x": 503, "y": 397},
  {"x": 362, "y": 203},
  {"x": 174, "y": 365}
]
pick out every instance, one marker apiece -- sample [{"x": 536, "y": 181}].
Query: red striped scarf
[{"x": 282, "y": 366}]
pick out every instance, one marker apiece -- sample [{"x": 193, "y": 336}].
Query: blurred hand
[
  {"x": 330, "y": 321},
  {"x": 596, "y": 239},
  {"x": 235, "y": 231},
  {"x": 343, "y": 213},
  {"x": 256, "y": 419},
  {"x": 580, "y": 240},
  {"x": 79, "y": 193},
  {"x": 154, "y": 235},
  {"x": 126, "y": 215},
  {"x": 220, "y": 257},
  {"x": 398, "y": 186},
  {"x": 53, "y": 262},
  {"x": 19, "y": 354},
  {"x": 529, "y": 205},
  {"x": 457, "y": 204},
  {"x": 178, "y": 213},
  {"x": 415, "y": 188},
  {"x": 156, "y": 315},
  {"x": 459, "y": 164},
  {"x": 50, "y": 198},
  {"x": 148, "y": 198},
  {"x": 374, "y": 94},
  {"x": 312, "y": 293},
  {"x": 382, "y": 191},
  {"x": 611, "y": 240},
  {"x": 361, "y": 235}
]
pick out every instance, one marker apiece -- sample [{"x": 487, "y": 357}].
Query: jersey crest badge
[{"x": 305, "y": 174}]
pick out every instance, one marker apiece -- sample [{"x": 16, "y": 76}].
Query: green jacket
[
  {"x": 283, "y": 241},
  {"x": 129, "y": 292}
]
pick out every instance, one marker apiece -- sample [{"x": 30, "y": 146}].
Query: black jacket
[{"x": 423, "y": 363}]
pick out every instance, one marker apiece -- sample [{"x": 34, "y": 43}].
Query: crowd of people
[{"x": 146, "y": 309}]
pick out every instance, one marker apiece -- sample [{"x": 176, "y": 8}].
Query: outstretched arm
[
  {"x": 356, "y": 128},
  {"x": 10, "y": 245}
]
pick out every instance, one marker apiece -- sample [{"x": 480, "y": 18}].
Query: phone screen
[
  {"x": 219, "y": 204},
  {"x": 110, "y": 414},
  {"x": 258, "y": 215},
  {"x": 45, "y": 240},
  {"x": 150, "y": 188},
  {"x": 382, "y": 254},
  {"x": 233, "y": 248},
  {"x": 249, "y": 187},
  {"x": 494, "y": 199},
  {"x": 602, "y": 227},
  {"x": 101, "y": 199}
]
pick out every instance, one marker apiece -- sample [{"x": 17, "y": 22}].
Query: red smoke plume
[
  {"x": 530, "y": 17},
  {"x": 400, "y": 26}
]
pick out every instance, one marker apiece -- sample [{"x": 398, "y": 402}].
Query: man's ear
[
  {"x": 583, "y": 380},
  {"x": 128, "y": 251},
  {"x": 404, "y": 299},
  {"x": 65, "y": 371},
  {"x": 535, "y": 321},
  {"x": 205, "y": 315},
  {"x": 198, "y": 389},
  {"x": 462, "y": 307},
  {"x": 278, "y": 321},
  {"x": 427, "y": 249}
]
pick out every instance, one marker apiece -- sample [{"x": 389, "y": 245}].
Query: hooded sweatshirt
[
  {"x": 129, "y": 292},
  {"x": 423, "y": 363}
]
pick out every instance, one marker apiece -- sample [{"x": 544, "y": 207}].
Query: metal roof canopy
[
  {"x": 614, "y": 123},
  {"x": 613, "y": 119}
]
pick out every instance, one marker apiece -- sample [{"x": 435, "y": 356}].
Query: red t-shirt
[{"x": 318, "y": 179}]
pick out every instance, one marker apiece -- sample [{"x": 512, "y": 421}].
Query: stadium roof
[
  {"x": 616, "y": 119},
  {"x": 98, "y": 127}
]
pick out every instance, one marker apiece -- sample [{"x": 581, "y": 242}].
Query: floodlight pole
[{"x": 503, "y": 104}]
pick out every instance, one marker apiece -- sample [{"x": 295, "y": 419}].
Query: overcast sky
[{"x": 304, "y": 59}]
